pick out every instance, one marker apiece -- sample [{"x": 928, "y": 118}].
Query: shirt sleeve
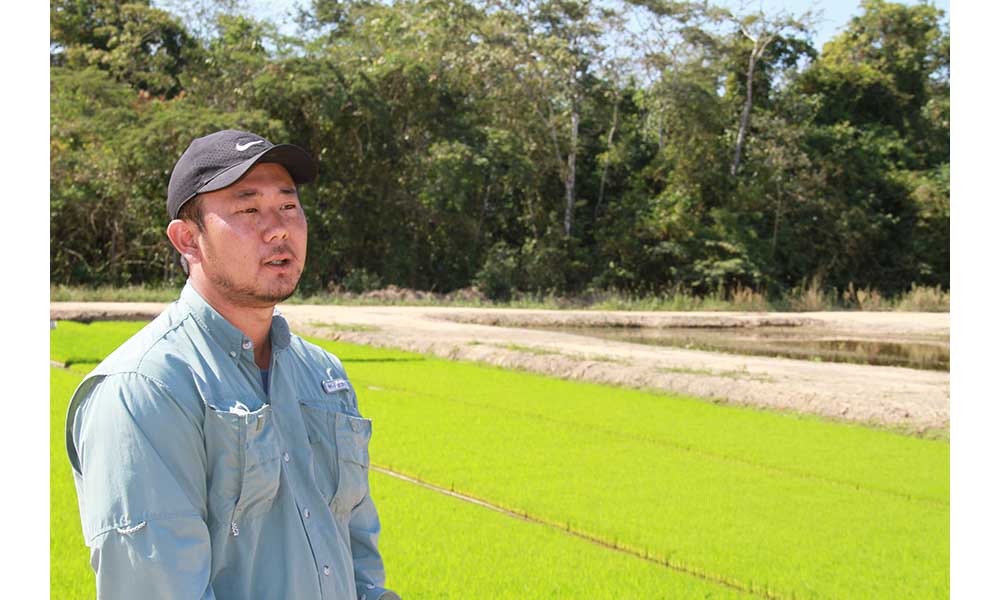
[
  {"x": 139, "y": 468},
  {"x": 369, "y": 572}
]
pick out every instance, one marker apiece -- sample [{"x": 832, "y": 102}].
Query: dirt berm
[{"x": 915, "y": 400}]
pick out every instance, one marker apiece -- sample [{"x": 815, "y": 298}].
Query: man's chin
[
  {"x": 272, "y": 297},
  {"x": 264, "y": 298},
  {"x": 257, "y": 296},
  {"x": 280, "y": 289}
]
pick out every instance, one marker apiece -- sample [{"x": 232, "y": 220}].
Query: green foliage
[
  {"x": 887, "y": 65},
  {"x": 514, "y": 145},
  {"x": 143, "y": 46},
  {"x": 111, "y": 152},
  {"x": 497, "y": 278},
  {"x": 361, "y": 280}
]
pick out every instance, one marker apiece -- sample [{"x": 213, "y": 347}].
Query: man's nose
[{"x": 275, "y": 228}]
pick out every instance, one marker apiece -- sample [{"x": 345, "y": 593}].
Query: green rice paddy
[{"x": 703, "y": 500}]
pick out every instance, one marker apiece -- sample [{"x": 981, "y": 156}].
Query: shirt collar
[{"x": 225, "y": 333}]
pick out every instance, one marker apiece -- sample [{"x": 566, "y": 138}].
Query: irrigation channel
[
  {"x": 577, "y": 534},
  {"x": 807, "y": 343}
]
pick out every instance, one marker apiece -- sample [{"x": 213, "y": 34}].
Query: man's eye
[
  {"x": 249, "y": 210},
  {"x": 289, "y": 206}
]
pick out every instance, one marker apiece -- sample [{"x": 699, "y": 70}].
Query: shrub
[
  {"x": 866, "y": 298},
  {"x": 497, "y": 278},
  {"x": 744, "y": 298},
  {"x": 811, "y": 296},
  {"x": 359, "y": 281},
  {"x": 924, "y": 299}
]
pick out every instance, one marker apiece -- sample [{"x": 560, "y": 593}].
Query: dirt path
[{"x": 913, "y": 399}]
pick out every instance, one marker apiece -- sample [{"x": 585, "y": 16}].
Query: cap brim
[{"x": 300, "y": 166}]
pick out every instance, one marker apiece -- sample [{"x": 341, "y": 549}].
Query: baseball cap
[{"x": 218, "y": 160}]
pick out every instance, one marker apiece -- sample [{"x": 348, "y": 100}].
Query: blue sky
[{"x": 835, "y": 13}]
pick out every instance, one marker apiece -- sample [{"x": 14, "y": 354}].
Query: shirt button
[
  {"x": 286, "y": 457},
  {"x": 306, "y": 513},
  {"x": 326, "y": 569},
  {"x": 247, "y": 344},
  {"x": 232, "y": 354}
]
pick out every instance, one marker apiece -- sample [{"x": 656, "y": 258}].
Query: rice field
[{"x": 680, "y": 498}]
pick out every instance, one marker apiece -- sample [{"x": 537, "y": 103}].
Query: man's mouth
[{"x": 279, "y": 260}]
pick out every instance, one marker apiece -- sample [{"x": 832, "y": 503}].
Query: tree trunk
[
  {"x": 758, "y": 49},
  {"x": 604, "y": 171},
  {"x": 777, "y": 222},
  {"x": 659, "y": 129},
  {"x": 570, "y": 181},
  {"x": 745, "y": 117},
  {"x": 484, "y": 208},
  {"x": 113, "y": 254}
]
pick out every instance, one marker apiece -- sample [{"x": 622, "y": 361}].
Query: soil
[{"x": 907, "y": 399}]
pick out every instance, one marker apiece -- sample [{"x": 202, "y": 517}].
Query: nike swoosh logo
[{"x": 242, "y": 147}]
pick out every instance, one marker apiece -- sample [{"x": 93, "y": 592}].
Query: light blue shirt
[{"x": 195, "y": 482}]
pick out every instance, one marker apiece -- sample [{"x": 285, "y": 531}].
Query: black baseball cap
[{"x": 219, "y": 159}]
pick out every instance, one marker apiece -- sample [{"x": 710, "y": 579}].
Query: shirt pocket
[
  {"x": 244, "y": 471},
  {"x": 339, "y": 443},
  {"x": 353, "y": 435}
]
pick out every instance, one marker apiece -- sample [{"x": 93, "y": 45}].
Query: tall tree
[
  {"x": 515, "y": 145},
  {"x": 136, "y": 43},
  {"x": 882, "y": 136},
  {"x": 550, "y": 48},
  {"x": 761, "y": 30},
  {"x": 890, "y": 67}
]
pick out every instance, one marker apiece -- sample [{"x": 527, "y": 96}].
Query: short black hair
[{"x": 192, "y": 211}]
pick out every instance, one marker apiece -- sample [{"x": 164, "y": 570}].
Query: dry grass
[
  {"x": 924, "y": 299},
  {"x": 747, "y": 299},
  {"x": 809, "y": 296},
  {"x": 864, "y": 299}
]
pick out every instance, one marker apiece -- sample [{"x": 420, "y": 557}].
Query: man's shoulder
[
  {"x": 166, "y": 358},
  {"x": 147, "y": 352},
  {"x": 137, "y": 370}
]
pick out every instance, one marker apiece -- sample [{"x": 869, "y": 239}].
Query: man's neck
[{"x": 254, "y": 322}]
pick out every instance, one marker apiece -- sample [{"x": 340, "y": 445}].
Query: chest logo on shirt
[{"x": 331, "y": 386}]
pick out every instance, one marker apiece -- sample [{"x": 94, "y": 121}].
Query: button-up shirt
[{"x": 195, "y": 482}]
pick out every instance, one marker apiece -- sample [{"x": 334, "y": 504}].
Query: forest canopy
[{"x": 542, "y": 146}]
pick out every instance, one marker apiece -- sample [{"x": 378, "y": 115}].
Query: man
[{"x": 215, "y": 454}]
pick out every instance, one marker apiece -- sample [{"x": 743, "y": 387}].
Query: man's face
[{"x": 253, "y": 246}]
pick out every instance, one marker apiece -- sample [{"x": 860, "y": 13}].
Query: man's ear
[{"x": 184, "y": 236}]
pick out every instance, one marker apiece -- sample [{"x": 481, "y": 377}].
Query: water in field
[{"x": 789, "y": 342}]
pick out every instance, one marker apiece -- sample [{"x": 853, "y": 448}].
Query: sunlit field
[{"x": 625, "y": 493}]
